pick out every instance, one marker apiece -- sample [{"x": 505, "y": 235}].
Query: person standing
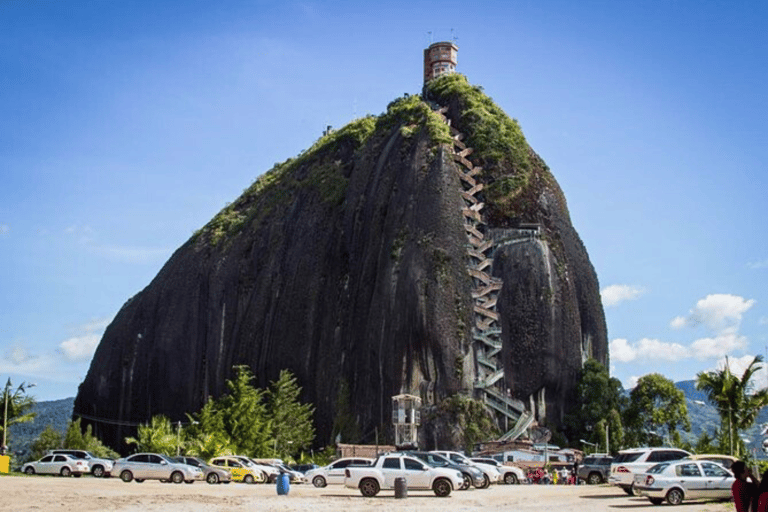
[{"x": 745, "y": 488}]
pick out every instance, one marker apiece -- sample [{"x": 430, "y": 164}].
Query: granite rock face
[{"x": 346, "y": 265}]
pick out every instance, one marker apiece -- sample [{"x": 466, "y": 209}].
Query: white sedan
[
  {"x": 63, "y": 465},
  {"x": 684, "y": 480}
]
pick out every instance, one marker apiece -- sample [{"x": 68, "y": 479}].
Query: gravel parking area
[{"x": 20, "y": 493}]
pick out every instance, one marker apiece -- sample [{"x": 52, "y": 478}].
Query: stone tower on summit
[{"x": 439, "y": 59}]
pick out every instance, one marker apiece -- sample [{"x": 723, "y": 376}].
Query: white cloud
[
  {"x": 82, "y": 346},
  {"x": 647, "y": 349},
  {"x": 720, "y": 311},
  {"x": 79, "y": 348},
  {"x": 617, "y": 293},
  {"x": 718, "y": 346},
  {"x": 631, "y": 382},
  {"x": 622, "y": 351},
  {"x": 678, "y": 322},
  {"x": 756, "y": 265}
]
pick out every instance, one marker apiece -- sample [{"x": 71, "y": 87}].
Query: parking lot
[{"x": 20, "y": 493}]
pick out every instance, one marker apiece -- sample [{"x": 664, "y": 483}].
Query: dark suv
[{"x": 594, "y": 469}]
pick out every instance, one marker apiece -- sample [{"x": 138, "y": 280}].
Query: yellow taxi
[{"x": 240, "y": 472}]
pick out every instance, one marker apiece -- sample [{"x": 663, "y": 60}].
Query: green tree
[
  {"x": 16, "y": 405},
  {"x": 207, "y": 445},
  {"x": 656, "y": 409},
  {"x": 49, "y": 439},
  {"x": 736, "y": 400},
  {"x": 240, "y": 415},
  {"x": 158, "y": 437},
  {"x": 598, "y": 401},
  {"x": 76, "y": 439},
  {"x": 292, "y": 427}
]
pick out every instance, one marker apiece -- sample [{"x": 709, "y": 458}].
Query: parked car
[
  {"x": 153, "y": 466},
  {"x": 56, "y": 464},
  {"x": 637, "y": 460},
  {"x": 684, "y": 480},
  {"x": 303, "y": 468},
  {"x": 389, "y": 467},
  {"x": 240, "y": 470},
  {"x": 595, "y": 468},
  {"x": 270, "y": 472},
  {"x": 471, "y": 474},
  {"x": 212, "y": 474},
  {"x": 97, "y": 466},
  {"x": 333, "y": 473},
  {"x": 492, "y": 475},
  {"x": 509, "y": 474},
  {"x": 724, "y": 460}
]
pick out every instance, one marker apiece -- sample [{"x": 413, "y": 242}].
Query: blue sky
[{"x": 127, "y": 125}]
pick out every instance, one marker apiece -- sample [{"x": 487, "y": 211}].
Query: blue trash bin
[{"x": 283, "y": 484}]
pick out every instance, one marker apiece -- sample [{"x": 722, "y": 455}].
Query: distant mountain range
[
  {"x": 55, "y": 412},
  {"x": 703, "y": 415}
]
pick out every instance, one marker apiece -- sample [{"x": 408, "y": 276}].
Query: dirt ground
[{"x": 21, "y": 493}]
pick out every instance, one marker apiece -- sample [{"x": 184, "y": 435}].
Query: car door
[
  {"x": 692, "y": 480},
  {"x": 392, "y": 468},
  {"x": 45, "y": 464},
  {"x": 718, "y": 481},
  {"x": 336, "y": 471},
  {"x": 236, "y": 468},
  {"x": 417, "y": 474}
]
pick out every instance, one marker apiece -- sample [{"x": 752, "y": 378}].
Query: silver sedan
[
  {"x": 684, "y": 480},
  {"x": 144, "y": 466}
]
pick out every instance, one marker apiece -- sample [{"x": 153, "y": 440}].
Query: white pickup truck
[{"x": 382, "y": 474}]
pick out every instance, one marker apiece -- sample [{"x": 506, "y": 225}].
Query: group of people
[{"x": 749, "y": 494}]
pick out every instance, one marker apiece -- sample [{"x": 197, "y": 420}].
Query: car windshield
[
  {"x": 658, "y": 468},
  {"x": 433, "y": 459},
  {"x": 165, "y": 458}
]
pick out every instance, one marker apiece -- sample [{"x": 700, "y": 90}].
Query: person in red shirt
[
  {"x": 762, "y": 493},
  {"x": 745, "y": 488}
]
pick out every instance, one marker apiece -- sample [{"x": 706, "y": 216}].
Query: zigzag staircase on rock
[{"x": 486, "y": 330}]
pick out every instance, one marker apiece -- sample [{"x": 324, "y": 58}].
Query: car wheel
[
  {"x": 97, "y": 471},
  {"x": 139, "y": 480},
  {"x": 369, "y": 488},
  {"x": 675, "y": 497},
  {"x": 510, "y": 478},
  {"x": 466, "y": 483},
  {"x": 319, "y": 481},
  {"x": 441, "y": 488},
  {"x": 29, "y": 470},
  {"x": 595, "y": 479},
  {"x": 486, "y": 482},
  {"x": 65, "y": 471},
  {"x": 177, "y": 477},
  {"x": 189, "y": 481},
  {"x": 126, "y": 476},
  {"x": 656, "y": 501},
  {"x": 249, "y": 479},
  {"x": 77, "y": 475},
  {"x": 212, "y": 478}
]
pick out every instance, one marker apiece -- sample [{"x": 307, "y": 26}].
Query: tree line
[{"x": 655, "y": 412}]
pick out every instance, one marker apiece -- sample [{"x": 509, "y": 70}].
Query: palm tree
[
  {"x": 737, "y": 402},
  {"x": 157, "y": 437}
]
